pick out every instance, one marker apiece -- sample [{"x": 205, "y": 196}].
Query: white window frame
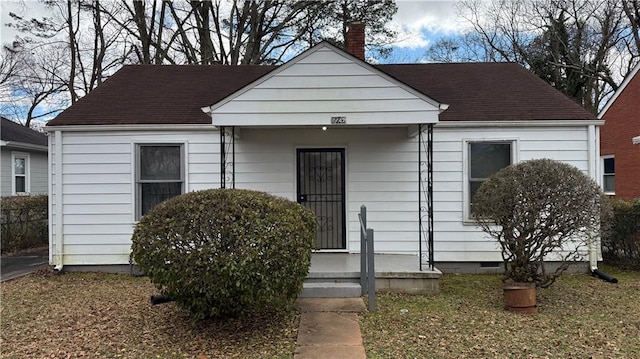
[
  {"x": 602, "y": 158},
  {"x": 136, "y": 178},
  {"x": 27, "y": 172},
  {"x": 466, "y": 163}
]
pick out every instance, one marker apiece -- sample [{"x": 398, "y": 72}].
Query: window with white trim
[
  {"x": 20, "y": 173},
  {"x": 484, "y": 159},
  {"x": 609, "y": 174},
  {"x": 159, "y": 174}
]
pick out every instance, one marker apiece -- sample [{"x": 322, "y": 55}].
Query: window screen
[
  {"x": 159, "y": 176},
  {"x": 485, "y": 159}
]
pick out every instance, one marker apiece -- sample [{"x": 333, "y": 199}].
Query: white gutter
[
  {"x": 50, "y": 196},
  {"x": 526, "y": 123},
  {"x": 58, "y": 197},
  {"x": 145, "y": 127},
  {"x": 24, "y": 146}
]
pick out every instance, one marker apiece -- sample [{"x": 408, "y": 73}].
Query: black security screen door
[{"x": 321, "y": 189}]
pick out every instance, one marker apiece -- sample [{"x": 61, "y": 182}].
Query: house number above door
[{"x": 338, "y": 120}]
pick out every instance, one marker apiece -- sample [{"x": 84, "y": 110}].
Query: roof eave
[
  {"x": 24, "y": 146},
  {"x": 620, "y": 89}
]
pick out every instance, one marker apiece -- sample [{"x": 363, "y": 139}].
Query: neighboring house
[
  {"x": 618, "y": 136},
  {"x": 23, "y": 162},
  {"x": 411, "y": 142}
]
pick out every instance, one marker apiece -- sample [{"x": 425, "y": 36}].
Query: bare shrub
[{"x": 538, "y": 210}]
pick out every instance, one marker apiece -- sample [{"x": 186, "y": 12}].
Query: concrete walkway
[{"x": 329, "y": 328}]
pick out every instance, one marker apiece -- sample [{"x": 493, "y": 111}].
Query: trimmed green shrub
[
  {"x": 25, "y": 223},
  {"x": 621, "y": 237},
  {"x": 226, "y": 252},
  {"x": 539, "y": 210}
]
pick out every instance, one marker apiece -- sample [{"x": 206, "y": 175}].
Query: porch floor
[
  {"x": 394, "y": 272},
  {"x": 350, "y": 263}
]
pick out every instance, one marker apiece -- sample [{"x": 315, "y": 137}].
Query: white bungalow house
[
  {"x": 23, "y": 160},
  {"x": 327, "y": 129}
]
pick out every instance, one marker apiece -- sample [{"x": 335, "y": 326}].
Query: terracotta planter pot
[{"x": 520, "y": 297}]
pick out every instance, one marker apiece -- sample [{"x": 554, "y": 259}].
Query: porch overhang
[
  {"x": 410, "y": 119},
  {"x": 325, "y": 119}
]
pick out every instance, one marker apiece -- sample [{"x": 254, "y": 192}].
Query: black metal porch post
[
  {"x": 430, "y": 193},
  {"x": 222, "y": 158},
  {"x": 425, "y": 192},
  {"x": 227, "y": 144}
]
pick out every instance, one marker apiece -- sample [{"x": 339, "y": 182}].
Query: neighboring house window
[
  {"x": 20, "y": 173},
  {"x": 484, "y": 159},
  {"x": 609, "y": 175},
  {"x": 159, "y": 174}
]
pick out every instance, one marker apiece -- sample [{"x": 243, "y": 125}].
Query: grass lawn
[
  {"x": 580, "y": 317},
  {"x": 109, "y": 316}
]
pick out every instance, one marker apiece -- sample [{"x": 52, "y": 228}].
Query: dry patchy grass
[
  {"x": 580, "y": 317},
  {"x": 109, "y": 316}
]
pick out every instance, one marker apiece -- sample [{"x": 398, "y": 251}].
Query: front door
[{"x": 321, "y": 189}]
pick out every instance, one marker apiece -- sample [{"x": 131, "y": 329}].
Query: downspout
[
  {"x": 593, "y": 134},
  {"x": 58, "y": 204},
  {"x": 50, "y": 195}
]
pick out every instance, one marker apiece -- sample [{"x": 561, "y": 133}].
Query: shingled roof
[
  {"x": 159, "y": 94},
  {"x": 490, "y": 91},
  {"x": 173, "y": 94},
  {"x": 15, "y": 132}
]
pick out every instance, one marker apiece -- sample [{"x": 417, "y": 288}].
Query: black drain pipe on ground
[
  {"x": 593, "y": 242},
  {"x": 604, "y": 276},
  {"x": 159, "y": 299},
  {"x": 593, "y": 264}
]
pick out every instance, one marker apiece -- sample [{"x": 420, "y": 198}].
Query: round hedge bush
[{"x": 225, "y": 251}]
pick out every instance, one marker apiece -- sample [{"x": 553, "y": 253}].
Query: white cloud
[
  {"x": 27, "y": 9},
  {"x": 418, "y": 21}
]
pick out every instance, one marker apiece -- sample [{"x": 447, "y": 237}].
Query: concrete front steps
[
  {"x": 346, "y": 284},
  {"x": 331, "y": 290},
  {"x": 332, "y": 285}
]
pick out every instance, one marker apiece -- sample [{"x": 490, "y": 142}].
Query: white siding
[
  {"x": 5, "y": 172},
  {"x": 458, "y": 240},
  {"x": 381, "y": 173},
  {"x": 39, "y": 172},
  {"x": 98, "y": 188},
  {"x": 321, "y": 84}
]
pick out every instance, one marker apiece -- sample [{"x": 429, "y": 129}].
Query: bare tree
[
  {"x": 253, "y": 31},
  {"x": 469, "y": 47},
  {"x": 63, "y": 57},
  {"x": 69, "y": 53},
  {"x": 36, "y": 90},
  {"x": 571, "y": 44},
  {"x": 10, "y": 64},
  {"x": 632, "y": 42}
]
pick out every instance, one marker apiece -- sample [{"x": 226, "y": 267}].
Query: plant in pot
[{"x": 541, "y": 212}]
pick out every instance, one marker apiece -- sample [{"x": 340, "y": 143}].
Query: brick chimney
[{"x": 355, "y": 39}]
